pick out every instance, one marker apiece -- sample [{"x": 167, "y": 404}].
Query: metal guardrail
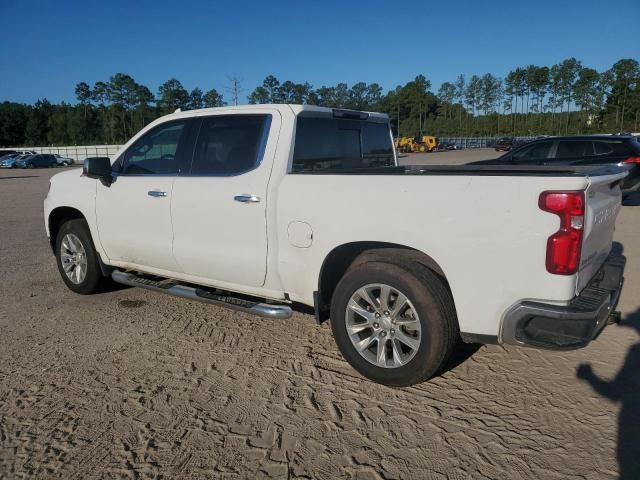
[
  {"x": 478, "y": 142},
  {"x": 78, "y": 152}
]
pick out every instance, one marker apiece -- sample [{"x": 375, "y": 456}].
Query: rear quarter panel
[{"x": 486, "y": 233}]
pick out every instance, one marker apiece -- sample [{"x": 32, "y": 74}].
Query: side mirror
[{"x": 97, "y": 167}]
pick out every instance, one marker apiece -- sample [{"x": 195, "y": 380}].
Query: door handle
[
  {"x": 246, "y": 198},
  {"x": 156, "y": 193}
]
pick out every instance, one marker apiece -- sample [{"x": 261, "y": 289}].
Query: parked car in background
[
  {"x": 579, "y": 150},
  {"x": 444, "y": 146},
  {"x": 503, "y": 145},
  {"x": 4, "y": 154},
  {"x": 9, "y": 161},
  {"x": 43, "y": 160},
  {"x": 63, "y": 161}
]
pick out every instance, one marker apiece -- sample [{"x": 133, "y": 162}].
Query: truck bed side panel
[{"x": 487, "y": 233}]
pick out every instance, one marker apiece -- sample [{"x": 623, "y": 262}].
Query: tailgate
[{"x": 603, "y": 200}]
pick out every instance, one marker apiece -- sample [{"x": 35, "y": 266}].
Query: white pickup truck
[{"x": 260, "y": 208}]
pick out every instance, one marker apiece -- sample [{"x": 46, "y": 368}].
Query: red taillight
[
  {"x": 632, "y": 160},
  {"x": 564, "y": 246}
]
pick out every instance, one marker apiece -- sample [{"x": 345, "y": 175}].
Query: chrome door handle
[
  {"x": 246, "y": 198},
  {"x": 156, "y": 193}
]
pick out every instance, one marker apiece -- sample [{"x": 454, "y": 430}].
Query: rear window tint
[
  {"x": 539, "y": 151},
  {"x": 230, "y": 144},
  {"x": 571, "y": 149},
  {"x": 327, "y": 144},
  {"x": 611, "y": 148}
]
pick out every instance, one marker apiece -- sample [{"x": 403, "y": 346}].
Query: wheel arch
[
  {"x": 57, "y": 217},
  {"x": 342, "y": 257}
]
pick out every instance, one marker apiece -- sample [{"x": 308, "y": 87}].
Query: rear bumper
[{"x": 571, "y": 326}]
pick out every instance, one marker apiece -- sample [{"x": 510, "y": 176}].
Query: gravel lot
[{"x": 133, "y": 384}]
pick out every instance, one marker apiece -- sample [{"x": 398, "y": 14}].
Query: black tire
[
  {"x": 93, "y": 280},
  {"x": 432, "y": 302}
]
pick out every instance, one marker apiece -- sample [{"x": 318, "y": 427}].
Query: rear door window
[
  {"x": 230, "y": 144},
  {"x": 330, "y": 143},
  {"x": 539, "y": 151},
  {"x": 574, "y": 149},
  {"x": 603, "y": 147}
]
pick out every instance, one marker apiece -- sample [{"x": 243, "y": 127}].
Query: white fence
[{"x": 78, "y": 153}]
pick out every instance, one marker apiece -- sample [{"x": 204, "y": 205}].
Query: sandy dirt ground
[{"x": 134, "y": 384}]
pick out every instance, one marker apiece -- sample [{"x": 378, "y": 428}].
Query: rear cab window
[{"x": 330, "y": 144}]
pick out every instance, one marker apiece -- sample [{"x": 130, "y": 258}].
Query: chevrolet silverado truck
[{"x": 261, "y": 208}]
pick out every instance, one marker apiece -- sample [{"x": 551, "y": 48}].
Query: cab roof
[{"x": 298, "y": 110}]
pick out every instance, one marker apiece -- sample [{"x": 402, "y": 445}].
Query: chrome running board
[{"x": 173, "y": 287}]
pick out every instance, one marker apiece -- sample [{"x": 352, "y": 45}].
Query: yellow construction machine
[{"x": 424, "y": 143}]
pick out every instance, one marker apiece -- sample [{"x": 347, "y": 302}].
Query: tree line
[
  {"x": 108, "y": 113},
  {"x": 566, "y": 98}
]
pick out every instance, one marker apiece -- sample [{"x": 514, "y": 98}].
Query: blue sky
[{"x": 47, "y": 47}]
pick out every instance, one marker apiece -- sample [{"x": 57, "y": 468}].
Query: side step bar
[{"x": 173, "y": 287}]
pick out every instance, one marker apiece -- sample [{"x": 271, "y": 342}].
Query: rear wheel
[
  {"x": 77, "y": 258},
  {"x": 395, "y": 323}
]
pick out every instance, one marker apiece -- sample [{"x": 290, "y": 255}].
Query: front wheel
[
  {"x": 395, "y": 323},
  {"x": 77, "y": 258}
]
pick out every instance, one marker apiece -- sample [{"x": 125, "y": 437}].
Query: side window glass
[
  {"x": 573, "y": 149},
  {"x": 377, "y": 150},
  {"x": 611, "y": 148},
  {"x": 602, "y": 148},
  {"x": 539, "y": 151},
  {"x": 155, "y": 153},
  {"x": 230, "y": 144}
]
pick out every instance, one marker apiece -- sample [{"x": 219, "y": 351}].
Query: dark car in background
[
  {"x": 444, "y": 146},
  {"x": 579, "y": 150},
  {"x": 43, "y": 160}
]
